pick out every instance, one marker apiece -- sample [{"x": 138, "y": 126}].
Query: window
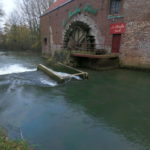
[
  {"x": 115, "y": 6},
  {"x": 45, "y": 41}
]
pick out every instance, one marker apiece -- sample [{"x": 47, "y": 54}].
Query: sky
[{"x": 8, "y": 6}]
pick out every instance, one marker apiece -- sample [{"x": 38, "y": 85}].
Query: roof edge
[{"x": 56, "y": 8}]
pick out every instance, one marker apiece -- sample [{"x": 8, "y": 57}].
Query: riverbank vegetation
[
  {"x": 21, "y": 30},
  {"x": 6, "y": 144}
]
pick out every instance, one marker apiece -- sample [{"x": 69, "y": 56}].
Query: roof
[{"x": 57, "y": 4}]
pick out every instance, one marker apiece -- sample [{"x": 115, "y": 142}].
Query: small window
[
  {"x": 45, "y": 41},
  {"x": 80, "y": 5},
  {"x": 115, "y": 6}
]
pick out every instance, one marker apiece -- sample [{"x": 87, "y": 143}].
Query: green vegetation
[
  {"x": 21, "y": 30},
  {"x": 20, "y": 37},
  {"x": 6, "y": 144}
]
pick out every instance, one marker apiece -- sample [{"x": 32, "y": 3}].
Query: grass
[{"x": 7, "y": 144}]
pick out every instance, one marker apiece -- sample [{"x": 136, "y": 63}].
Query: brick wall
[
  {"x": 135, "y": 48},
  {"x": 99, "y": 22},
  {"x": 135, "y": 43}
]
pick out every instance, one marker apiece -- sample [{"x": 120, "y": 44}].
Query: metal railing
[{"x": 95, "y": 49}]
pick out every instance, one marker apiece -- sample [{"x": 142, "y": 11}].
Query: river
[{"x": 110, "y": 111}]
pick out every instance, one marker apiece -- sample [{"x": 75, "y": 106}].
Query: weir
[
  {"x": 60, "y": 79},
  {"x": 50, "y": 73}
]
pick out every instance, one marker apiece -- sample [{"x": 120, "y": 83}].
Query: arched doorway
[{"x": 78, "y": 37}]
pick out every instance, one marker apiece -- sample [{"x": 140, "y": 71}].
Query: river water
[{"x": 110, "y": 111}]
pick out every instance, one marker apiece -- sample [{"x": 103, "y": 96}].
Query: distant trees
[
  {"x": 22, "y": 29},
  {"x": 31, "y": 10},
  {"x": 1, "y": 10},
  {"x": 1, "y": 15},
  {"x": 17, "y": 37}
]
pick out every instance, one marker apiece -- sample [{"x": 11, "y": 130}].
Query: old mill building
[{"x": 119, "y": 27}]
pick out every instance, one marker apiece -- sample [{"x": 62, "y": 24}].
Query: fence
[{"x": 97, "y": 49}]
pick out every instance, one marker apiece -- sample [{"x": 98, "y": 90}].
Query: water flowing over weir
[
  {"x": 25, "y": 75},
  {"x": 61, "y": 77},
  {"x": 15, "y": 68}
]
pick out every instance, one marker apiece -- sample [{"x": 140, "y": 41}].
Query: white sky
[{"x": 8, "y": 6}]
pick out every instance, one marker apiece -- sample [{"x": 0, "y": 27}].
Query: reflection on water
[{"x": 110, "y": 111}]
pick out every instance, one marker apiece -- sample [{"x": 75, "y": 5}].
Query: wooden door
[{"x": 116, "y": 40}]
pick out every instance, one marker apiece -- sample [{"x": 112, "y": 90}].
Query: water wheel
[{"x": 78, "y": 37}]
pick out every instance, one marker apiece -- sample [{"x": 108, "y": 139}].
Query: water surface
[{"x": 110, "y": 111}]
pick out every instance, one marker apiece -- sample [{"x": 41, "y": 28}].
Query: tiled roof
[{"x": 57, "y": 4}]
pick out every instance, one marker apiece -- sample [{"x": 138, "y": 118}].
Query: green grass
[{"x": 7, "y": 144}]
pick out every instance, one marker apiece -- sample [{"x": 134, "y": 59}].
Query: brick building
[{"x": 116, "y": 26}]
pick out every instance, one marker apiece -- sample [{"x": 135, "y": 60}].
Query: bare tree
[
  {"x": 1, "y": 11},
  {"x": 14, "y": 18},
  {"x": 1, "y": 15},
  {"x": 32, "y": 10}
]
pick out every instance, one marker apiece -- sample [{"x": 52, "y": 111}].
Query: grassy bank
[{"x": 7, "y": 144}]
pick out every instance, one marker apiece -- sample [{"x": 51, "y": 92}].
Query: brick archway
[
  {"x": 78, "y": 37},
  {"x": 99, "y": 39}
]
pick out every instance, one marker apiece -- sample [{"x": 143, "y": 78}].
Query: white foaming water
[
  {"x": 46, "y": 82},
  {"x": 62, "y": 74},
  {"x": 15, "y": 68},
  {"x": 53, "y": 83}
]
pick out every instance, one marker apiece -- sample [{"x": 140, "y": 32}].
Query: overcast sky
[{"x": 8, "y": 6}]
